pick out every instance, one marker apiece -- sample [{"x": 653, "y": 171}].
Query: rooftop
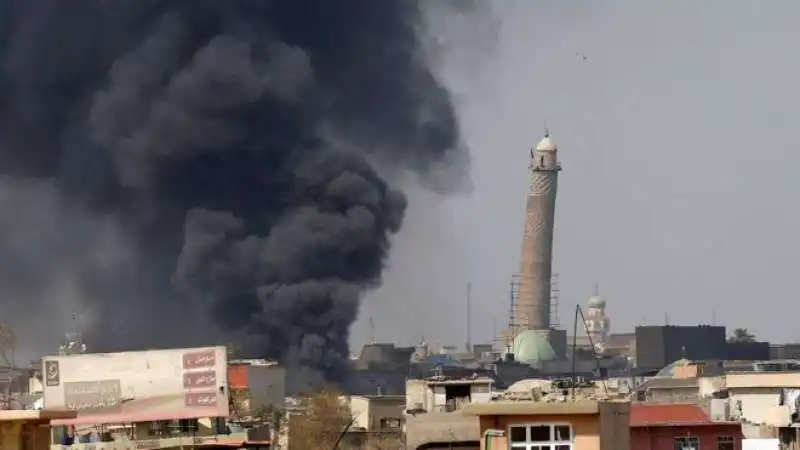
[
  {"x": 582, "y": 407},
  {"x": 35, "y": 416},
  {"x": 458, "y": 380},
  {"x": 651, "y": 415}
]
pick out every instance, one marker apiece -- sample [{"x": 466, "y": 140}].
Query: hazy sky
[{"x": 681, "y": 167}]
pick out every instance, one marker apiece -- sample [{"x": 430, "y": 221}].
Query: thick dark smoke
[{"x": 199, "y": 171}]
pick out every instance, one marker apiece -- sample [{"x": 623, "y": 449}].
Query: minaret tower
[{"x": 533, "y": 301}]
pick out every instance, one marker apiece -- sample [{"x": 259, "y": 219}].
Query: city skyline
[{"x": 662, "y": 132}]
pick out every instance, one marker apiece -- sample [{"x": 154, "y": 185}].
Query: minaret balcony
[{"x": 539, "y": 168}]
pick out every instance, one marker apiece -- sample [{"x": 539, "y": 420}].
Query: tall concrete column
[{"x": 532, "y": 309}]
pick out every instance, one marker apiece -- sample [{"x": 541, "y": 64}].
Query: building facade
[
  {"x": 679, "y": 426},
  {"x": 660, "y": 345},
  {"x": 446, "y": 394},
  {"x": 579, "y": 425}
]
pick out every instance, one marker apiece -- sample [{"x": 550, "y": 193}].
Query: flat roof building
[
  {"x": 569, "y": 425},
  {"x": 28, "y": 430}
]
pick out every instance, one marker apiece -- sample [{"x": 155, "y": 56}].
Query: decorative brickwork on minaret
[{"x": 532, "y": 308}]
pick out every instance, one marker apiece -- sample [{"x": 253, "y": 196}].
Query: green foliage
[
  {"x": 741, "y": 335},
  {"x": 321, "y": 419}
]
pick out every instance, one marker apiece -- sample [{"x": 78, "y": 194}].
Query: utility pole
[
  {"x": 372, "y": 331},
  {"x": 469, "y": 318}
]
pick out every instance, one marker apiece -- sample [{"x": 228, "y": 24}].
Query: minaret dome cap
[
  {"x": 596, "y": 302},
  {"x": 546, "y": 144}
]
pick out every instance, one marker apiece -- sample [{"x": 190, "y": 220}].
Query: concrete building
[
  {"x": 784, "y": 351},
  {"x": 433, "y": 411},
  {"x": 256, "y": 384},
  {"x": 446, "y": 394},
  {"x": 150, "y": 398},
  {"x": 28, "y": 430},
  {"x": 673, "y": 426},
  {"x": 660, "y": 345},
  {"x": 378, "y": 421},
  {"x": 531, "y": 314},
  {"x": 759, "y": 398},
  {"x": 442, "y": 431},
  {"x": 377, "y": 412},
  {"x": 578, "y": 425}
]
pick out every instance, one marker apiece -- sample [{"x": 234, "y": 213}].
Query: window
[
  {"x": 687, "y": 443},
  {"x": 187, "y": 425},
  {"x": 390, "y": 422},
  {"x": 158, "y": 428},
  {"x": 545, "y": 436},
  {"x": 726, "y": 443}
]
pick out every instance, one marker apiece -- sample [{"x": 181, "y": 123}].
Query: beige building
[
  {"x": 579, "y": 425},
  {"x": 755, "y": 397},
  {"x": 378, "y": 421},
  {"x": 377, "y": 412},
  {"x": 433, "y": 418},
  {"x": 446, "y": 394},
  {"x": 28, "y": 430},
  {"x": 442, "y": 431}
]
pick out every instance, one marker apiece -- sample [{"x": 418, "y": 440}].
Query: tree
[
  {"x": 319, "y": 421},
  {"x": 741, "y": 335},
  {"x": 239, "y": 402}
]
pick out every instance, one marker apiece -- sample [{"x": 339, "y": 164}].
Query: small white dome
[
  {"x": 546, "y": 144},
  {"x": 596, "y": 302}
]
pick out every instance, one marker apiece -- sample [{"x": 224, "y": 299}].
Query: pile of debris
[{"x": 556, "y": 391}]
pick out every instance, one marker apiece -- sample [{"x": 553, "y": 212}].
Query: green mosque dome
[{"x": 531, "y": 347}]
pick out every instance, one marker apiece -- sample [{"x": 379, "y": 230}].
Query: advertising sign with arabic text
[{"x": 138, "y": 386}]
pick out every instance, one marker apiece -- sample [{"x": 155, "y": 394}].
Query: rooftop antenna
[
  {"x": 372, "y": 331},
  {"x": 469, "y": 317},
  {"x": 546, "y": 130},
  {"x": 666, "y": 318}
]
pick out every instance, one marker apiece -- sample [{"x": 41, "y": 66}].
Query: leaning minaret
[{"x": 533, "y": 300}]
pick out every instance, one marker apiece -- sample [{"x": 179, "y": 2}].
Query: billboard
[{"x": 138, "y": 386}]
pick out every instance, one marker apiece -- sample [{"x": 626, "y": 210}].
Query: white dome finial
[{"x": 546, "y": 144}]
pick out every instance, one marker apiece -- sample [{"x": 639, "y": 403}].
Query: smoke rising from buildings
[{"x": 190, "y": 171}]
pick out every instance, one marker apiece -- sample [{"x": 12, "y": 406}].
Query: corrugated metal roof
[{"x": 648, "y": 415}]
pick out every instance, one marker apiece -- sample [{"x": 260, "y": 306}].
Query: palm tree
[{"x": 741, "y": 335}]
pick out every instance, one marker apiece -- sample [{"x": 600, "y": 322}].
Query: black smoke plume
[{"x": 201, "y": 171}]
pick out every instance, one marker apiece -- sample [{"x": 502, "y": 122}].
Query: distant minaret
[{"x": 533, "y": 301}]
